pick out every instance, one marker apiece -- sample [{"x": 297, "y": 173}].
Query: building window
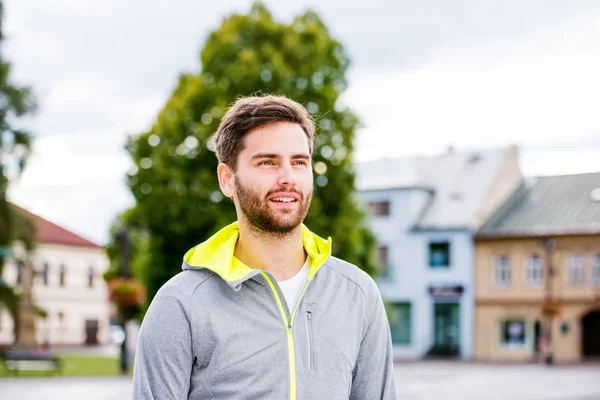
[
  {"x": 44, "y": 274},
  {"x": 400, "y": 322},
  {"x": 62, "y": 275},
  {"x": 596, "y": 270},
  {"x": 502, "y": 271},
  {"x": 379, "y": 208},
  {"x": 534, "y": 270},
  {"x": 383, "y": 261},
  {"x": 576, "y": 270},
  {"x": 91, "y": 277},
  {"x": 439, "y": 254},
  {"x": 513, "y": 333}
]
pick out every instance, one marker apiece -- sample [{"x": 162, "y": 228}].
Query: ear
[{"x": 226, "y": 180}]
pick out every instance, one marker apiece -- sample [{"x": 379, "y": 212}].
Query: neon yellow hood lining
[{"x": 216, "y": 253}]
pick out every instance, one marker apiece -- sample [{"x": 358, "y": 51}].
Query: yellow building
[{"x": 537, "y": 275}]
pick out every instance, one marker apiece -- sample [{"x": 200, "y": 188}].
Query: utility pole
[
  {"x": 125, "y": 272},
  {"x": 549, "y": 245}
]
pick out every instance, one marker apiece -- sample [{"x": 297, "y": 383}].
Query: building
[
  {"x": 68, "y": 285},
  {"x": 549, "y": 222},
  {"x": 424, "y": 212},
  {"x": 538, "y": 272}
]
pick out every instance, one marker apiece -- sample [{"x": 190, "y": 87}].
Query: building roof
[
  {"x": 550, "y": 205},
  {"x": 50, "y": 233},
  {"x": 459, "y": 182}
]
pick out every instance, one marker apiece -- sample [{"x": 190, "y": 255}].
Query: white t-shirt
[{"x": 292, "y": 288}]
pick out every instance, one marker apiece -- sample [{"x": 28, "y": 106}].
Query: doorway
[
  {"x": 537, "y": 335},
  {"x": 590, "y": 328},
  {"x": 446, "y": 329},
  {"x": 91, "y": 332}
]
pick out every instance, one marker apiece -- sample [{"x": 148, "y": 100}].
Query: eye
[
  {"x": 299, "y": 162},
  {"x": 266, "y": 162}
]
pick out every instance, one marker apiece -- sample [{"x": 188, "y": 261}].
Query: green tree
[
  {"x": 15, "y": 102},
  {"x": 178, "y": 199}
]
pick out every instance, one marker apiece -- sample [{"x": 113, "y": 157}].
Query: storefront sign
[{"x": 446, "y": 292}]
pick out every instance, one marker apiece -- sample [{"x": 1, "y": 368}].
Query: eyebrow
[{"x": 302, "y": 156}]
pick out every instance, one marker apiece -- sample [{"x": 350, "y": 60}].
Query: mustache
[{"x": 284, "y": 191}]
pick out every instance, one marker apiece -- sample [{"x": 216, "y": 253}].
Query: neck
[{"x": 282, "y": 255}]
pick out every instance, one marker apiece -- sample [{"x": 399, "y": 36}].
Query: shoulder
[
  {"x": 354, "y": 276},
  {"x": 172, "y": 303},
  {"x": 183, "y": 285}
]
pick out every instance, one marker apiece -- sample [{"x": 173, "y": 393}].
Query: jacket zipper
[
  {"x": 310, "y": 339},
  {"x": 290, "y": 336}
]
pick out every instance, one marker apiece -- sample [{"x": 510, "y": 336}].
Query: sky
[{"x": 424, "y": 76}]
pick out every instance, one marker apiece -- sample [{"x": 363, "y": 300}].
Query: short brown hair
[{"x": 248, "y": 113}]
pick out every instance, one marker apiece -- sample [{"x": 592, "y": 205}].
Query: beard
[{"x": 263, "y": 218}]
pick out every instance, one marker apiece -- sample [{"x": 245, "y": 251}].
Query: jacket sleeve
[
  {"x": 373, "y": 375},
  {"x": 163, "y": 357}
]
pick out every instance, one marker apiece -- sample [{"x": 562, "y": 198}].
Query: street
[{"x": 415, "y": 381}]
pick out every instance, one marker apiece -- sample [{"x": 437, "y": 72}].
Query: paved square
[
  {"x": 466, "y": 381},
  {"x": 416, "y": 381}
]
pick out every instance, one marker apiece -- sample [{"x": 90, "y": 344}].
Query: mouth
[{"x": 284, "y": 200}]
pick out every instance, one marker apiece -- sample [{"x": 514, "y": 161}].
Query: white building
[
  {"x": 424, "y": 212},
  {"x": 68, "y": 286}
]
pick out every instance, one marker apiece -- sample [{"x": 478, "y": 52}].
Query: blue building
[{"x": 424, "y": 212}]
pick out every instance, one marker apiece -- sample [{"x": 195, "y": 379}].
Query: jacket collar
[{"x": 216, "y": 255}]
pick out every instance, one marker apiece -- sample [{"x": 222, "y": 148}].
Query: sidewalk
[
  {"x": 114, "y": 388},
  {"x": 415, "y": 381}
]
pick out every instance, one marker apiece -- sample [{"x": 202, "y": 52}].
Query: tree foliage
[
  {"x": 15, "y": 102},
  {"x": 175, "y": 186}
]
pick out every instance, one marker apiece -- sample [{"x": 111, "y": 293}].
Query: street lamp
[{"x": 125, "y": 272}]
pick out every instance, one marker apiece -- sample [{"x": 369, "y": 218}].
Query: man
[{"x": 262, "y": 310}]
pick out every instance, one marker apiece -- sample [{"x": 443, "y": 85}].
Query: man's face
[{"x": 274, "y": 181}]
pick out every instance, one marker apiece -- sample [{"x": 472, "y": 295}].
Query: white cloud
[
  {"x": 77, "y": 182},
  {"x": 539, "y": 90},
  {"x": 86, "y": 208},
  {"x": 560, "y": 162}
]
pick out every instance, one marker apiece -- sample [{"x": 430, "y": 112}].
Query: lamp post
[
  {"x": 549, "y": 246},
  {"x": 125, "y": 272}
]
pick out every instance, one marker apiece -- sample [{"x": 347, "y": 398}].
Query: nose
[{"x": 287, "y": 176}]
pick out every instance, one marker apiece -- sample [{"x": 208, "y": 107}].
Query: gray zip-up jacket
[{"x": 220, "y": 330}]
